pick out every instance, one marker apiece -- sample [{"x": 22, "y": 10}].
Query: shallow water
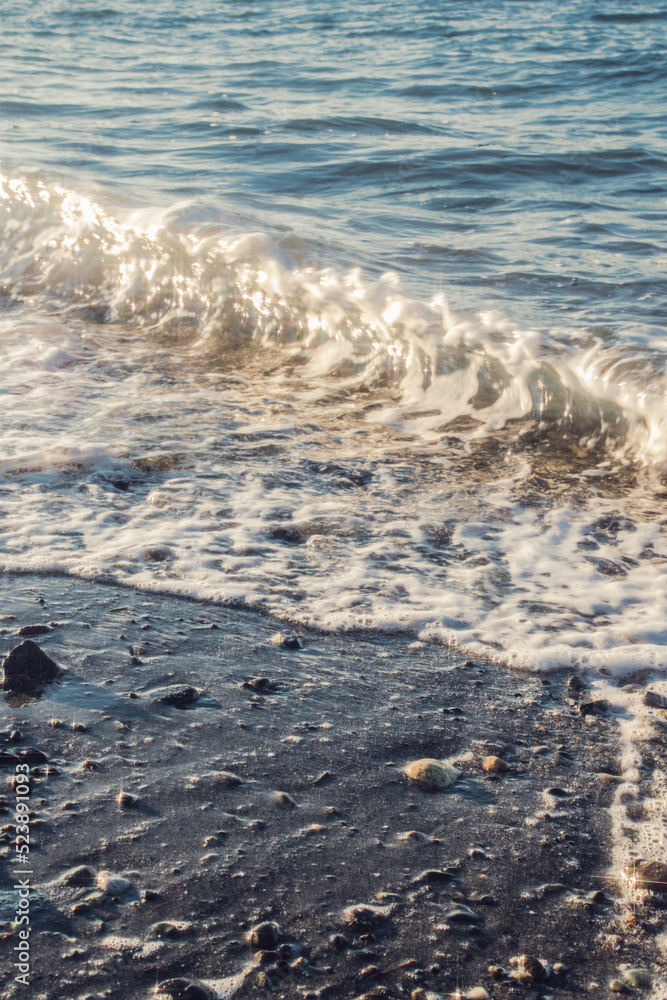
[{"x": 357, "y": 317}]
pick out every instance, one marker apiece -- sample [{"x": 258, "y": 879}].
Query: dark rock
[
  {"x": 82, "y": 875},
  {"x": 529, "y": 970},
  {"x": 432, "y": 875},
  {"x": 264, "y": 936},
  {"x": 286, "y": 641},
  {"x": 30, "y": 630},
  {"x": 177, "y": 695},
  {"x": 461, "y": 914},
  {"x": 27, "y": 668},
  {"x": 258, "y": 684},
  {"x": 31, "y": 755},
  {"x": 654, "y": 700},
  {"x": 362, "y": 917},
  {"x": 574, "y": 685},
  {"x": 598, "y": 707},
  {"x": 166, "y": 929}
]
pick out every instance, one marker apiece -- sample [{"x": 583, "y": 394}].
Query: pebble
[
  {"x": 112, "y": 885},
  {"x": 363, "y": 917},
  {"x": 185, "y": 989},
  {"x": 616, "y": 986},
  {"x": 528, "y": 970},
  {"x": 176, "y": 695},
  {"x": 27, "y": 668},
  {"x": 264, "y": 936},
  {"x": 258, "y": 684},
  {"x": 286, "y": 641},
  {"x": 432, "y": 875},
  {"x": 651, "y": 876},
  {"x": 90, "y": 765},
  {"x": 654, "y": 700},
  {"x": 126, "y": 800},
  {"x": 495, "y": 765},
  {"x": 574, "y": 685},
  {"x": 168, "y": 929},
  {"x": 477, "y": 993},
  {"x": 31, "y": 630},
  {"x": 643, "y": 979},
  {"x": 284, "y": 800},
  {"x": 430, "y": 774},
  {"x": 598, "y": 707},
  {"x": 227, "y": 779},
  {"x": 463, "y": 915},
  {"x": 79, "y": 876}
]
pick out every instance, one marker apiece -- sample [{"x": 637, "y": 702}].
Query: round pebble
[
  {"x": 494, "y": 765},
  {"x": 430, "y": 774},
  {"x": 112, "y": 885},
  {"x": 263, "y": 937}
]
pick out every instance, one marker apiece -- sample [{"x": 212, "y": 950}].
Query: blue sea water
[{"x": 353, "y": 312}]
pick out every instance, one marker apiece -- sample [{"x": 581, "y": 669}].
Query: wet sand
[{"x": 498, "y": 866}]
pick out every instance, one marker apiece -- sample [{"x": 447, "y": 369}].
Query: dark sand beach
[{"x": 278, "y": 797}]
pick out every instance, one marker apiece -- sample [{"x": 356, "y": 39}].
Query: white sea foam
[{"x": 185, "y": 410}]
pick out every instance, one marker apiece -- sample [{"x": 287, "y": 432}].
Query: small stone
[
  {"x": 528, "y": 969},
  {"x": 432, "y": 875},
  {"x": 27, "y": 668},
  {"x": 168, "y": 929},
  {"x": 80, "y": 909},
  {"x": 284, "y": 800},
  {"x": 496, "y": 972},
  {"x": 177, "y": 695},
  {"x": 598, "y": 707},
  {"x": 264, "y": 936},
  {"x": 80, "y": 876},
  {"x": 258, "y": 684},
  {"x": 649, "y": 876},
  {"x": 90, "y": 765},
  {"x": 185, "y": 989},
  {"x": 321, "y": 778},
  {"x": 126, "y": 800},
  {"x": 654, "y": 700},
  {"x": 477, "y": 993},
  {"x": 616, "y": 986},
  {"x": 286, "y": 641},
  {"x": 431, "y": 775},
  {"x": 463, "y": 915},
  {"x": 362, "y": 917},
  {"x": 551, "y": 889},
  {"x": 112, "y": 885},
  {"x": 643, "y": 979},
  {"x": 494, "y": 765},
  {"x": 226, "y": 779},
  {"x": 574, "y": 685},
  {"x": 31, "y": 630},
  {"x": 78, "y": 727},
  {"x": 157, "y": 553},
  {"x": 70, "y": 806}
]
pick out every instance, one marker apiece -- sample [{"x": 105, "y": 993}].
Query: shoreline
[{"x": 316, "y": 816}]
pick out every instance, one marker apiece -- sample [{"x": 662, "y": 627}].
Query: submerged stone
[
  {"x": 27, "y": 668},
  {"x": 430, "y": 774}
]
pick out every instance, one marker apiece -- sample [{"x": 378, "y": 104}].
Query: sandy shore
[{"x": 321, "y": 817}]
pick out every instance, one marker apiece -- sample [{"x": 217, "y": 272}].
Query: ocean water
[{"x": 353, "y": 314}]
